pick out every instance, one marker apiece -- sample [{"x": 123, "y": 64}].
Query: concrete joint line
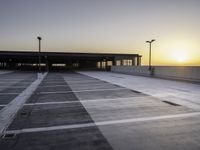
[
  {"x": 8, "y": 113},
  {"x": 102, "y": 123}
]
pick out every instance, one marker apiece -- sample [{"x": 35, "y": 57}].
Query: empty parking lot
[{"x": 98, "y": 110}]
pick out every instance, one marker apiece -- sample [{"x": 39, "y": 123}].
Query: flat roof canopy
[{"x": 60, "y": 57}]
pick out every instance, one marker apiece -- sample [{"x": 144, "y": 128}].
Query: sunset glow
[{"x": 112, "y": 26}]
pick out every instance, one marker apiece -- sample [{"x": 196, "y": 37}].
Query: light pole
[
  {"x": 39, "y": 54},
  {"x": 150, "y": 52}
]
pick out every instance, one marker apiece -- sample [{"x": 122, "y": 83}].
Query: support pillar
[
  {"x": 133, "y": 61},
  {"x": 121, "y": 62}
]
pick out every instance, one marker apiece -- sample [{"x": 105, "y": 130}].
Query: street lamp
[
  {"x": 39, "y": 54},
  {"x": 150, "y": 52}
]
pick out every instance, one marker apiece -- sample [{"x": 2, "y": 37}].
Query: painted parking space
[
  {"x": 135, "y": 107},
  {"x": 107, "y": 93},
  {"x": 56, "y": 97},
  {"x": 50, "y": 115},
  {"x": 12, "y": 90},
  {"x": 50, "y": 92},
  {"x": 6, "y": 98},
  {"x": 12, "y": 84},
  {"x": 87, "y": 86},
  {"x": 9, "y": 82},
  {"x": 55, "y": 88}
]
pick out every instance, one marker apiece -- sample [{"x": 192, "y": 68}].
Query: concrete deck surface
[{"x": 101, "y": 111}]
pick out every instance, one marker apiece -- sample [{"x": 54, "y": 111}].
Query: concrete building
[{"x": 66, "y": 60}]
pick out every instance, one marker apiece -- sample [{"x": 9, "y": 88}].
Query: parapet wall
[{"x": 174, "y": 72}]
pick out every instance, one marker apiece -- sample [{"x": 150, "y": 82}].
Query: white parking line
[
  {"x": 9, "y": 93},
  {"x": 58, "y": 92},
  {"x": 83, "y": 77},
  {"x": 2, "y": 105},
  {"x": 87, "y": 84},
  {"x": 12, "y": 86},
  {"x": 51, "y": 103},
  {"x": 93, "y": 85},
  {"x": 102, "y": 123},
  {"x": 16, "y": 82},
  {"x": 47, "y": 80},
  {"x": 3, "y": 79},
  {"x": 65, "y": 85},
  {"x": 62, "y": 92},
  {"x": 84, "y": 101},
  {"x": 83, "y": 81},
  {"x": 53, "y": 82}
]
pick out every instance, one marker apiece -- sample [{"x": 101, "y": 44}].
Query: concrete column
[
  {"x": 133, "y": 61},
  {"x": 106, "y": 64},
  {"x": 121, "y": 62},
  {"x": 100, "y": 64},
  {"x": 138, "y": 61},
  {"x": 114, "y": 62}
]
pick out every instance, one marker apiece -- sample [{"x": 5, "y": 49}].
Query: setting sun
[
  {"x": 179, "y": 56},
  {"x": 181, "y": 59}
]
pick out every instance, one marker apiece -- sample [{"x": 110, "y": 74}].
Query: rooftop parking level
[{"x": 96, "y": 110}]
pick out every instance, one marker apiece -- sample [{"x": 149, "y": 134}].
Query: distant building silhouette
[{"x": 66, "y": 60}]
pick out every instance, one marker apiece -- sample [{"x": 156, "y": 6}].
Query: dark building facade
[{"x": 65, "y": 60}]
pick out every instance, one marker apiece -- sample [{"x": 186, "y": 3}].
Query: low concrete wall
[
  {"x": 174, "y": 72},
  {"x": 136, "y": 70}
]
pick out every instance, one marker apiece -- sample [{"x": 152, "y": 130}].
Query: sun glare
[
  {"x": 179, "y": 56},
  {"x": 181, "y": 59},
  {"x": 179, "y": 52}
]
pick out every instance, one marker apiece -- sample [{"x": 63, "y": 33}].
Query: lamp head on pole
[
  {"x": 39, "y": 38},
  {"x": 150, "y": 41}
]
